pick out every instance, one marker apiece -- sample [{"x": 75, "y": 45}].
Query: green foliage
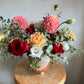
[
  {"x": 59, "y": 14},
  {"x": 33, "y": 62},
  {"x": 3, "y": 53},
  {"x": 64, "y": 34},
  {"x": 13, "y": 58},
  {"x": 49, "y": 48},
  {"x": 5, "y": 40},
  {"x": 13, "y": 32},
  {"x": 1, "y": 18},
  {"x": 52, "y": 57},
  {"x": 2, "y": 58},
  {"x": 76, "y": 52}
]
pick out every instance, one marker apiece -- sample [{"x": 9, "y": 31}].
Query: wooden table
[{"x": 55, "y": 75}]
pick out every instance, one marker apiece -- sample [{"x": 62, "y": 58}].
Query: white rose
[
  {"x": 66, "y": 46},
  {"x": 36, "y": 51}
]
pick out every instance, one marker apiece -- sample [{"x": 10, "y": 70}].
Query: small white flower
[
  {"x": 36, "y": 51},
  {"x": 66, "y": 46}
]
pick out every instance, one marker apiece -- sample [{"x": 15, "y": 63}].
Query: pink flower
[
  {"x": 51, "y": 23},
  {"x": 21, "y": 21}
]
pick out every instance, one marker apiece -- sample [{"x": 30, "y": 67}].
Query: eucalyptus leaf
[
  {"x": 50, "y": 47},
  {"x": 1, "y": 18}
]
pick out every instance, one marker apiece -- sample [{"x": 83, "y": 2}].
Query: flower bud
[
  {"x": 56, "y": 7},
  {"x": 70, "y": 21}
]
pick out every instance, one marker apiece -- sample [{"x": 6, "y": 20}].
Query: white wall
[{"x": 35, "y": 10}]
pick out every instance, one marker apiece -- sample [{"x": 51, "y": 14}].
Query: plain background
[{"x": 35, "y": 10}]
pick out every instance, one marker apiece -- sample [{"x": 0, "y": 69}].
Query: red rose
[
  {"x": 17, "y": 47},
  {"x": 57, "y": 49},
  {"x": 30, "y": 30}
]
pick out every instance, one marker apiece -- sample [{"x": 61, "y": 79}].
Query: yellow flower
[
  {"x": 37, "y": 39},
  {"x": 2, "y": 36},
  {"x": 71, "y": 35}
]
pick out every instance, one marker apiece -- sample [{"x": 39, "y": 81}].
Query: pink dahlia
[
  {"x": 51, "y": 23},
  {"x": 21, "y": 21}
]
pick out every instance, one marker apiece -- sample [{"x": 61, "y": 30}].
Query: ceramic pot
[{"x": 44, "y": 64}]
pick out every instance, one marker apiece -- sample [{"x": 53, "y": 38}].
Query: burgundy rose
[
  {"x": 30, "y": 30},
  {"x": 57, "y": 49},
  {"x": 17, "y": 47}
]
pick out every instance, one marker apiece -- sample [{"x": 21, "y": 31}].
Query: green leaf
[
  {"x": 59, "y": 55},
  {"x": 65, "y": 58},
  {"x": 8, "y": 32},
  {"x": 50, "y": 47},
  {"x": 2, "y": 58},
  {"x": 52, "y": 61},
  {"x": 3, "y": 21},
  {"x": 35, "y": 69},
  {"x": 57, "y": 38},
  {"x": 1, "y": 18},
  {"x": 46, "y": 31},
  {"x": 56, "y": 56},
  {"x": 8, "y": 20},
  {"x": 59, "y": 14},
  {"x": 47, "y": 54},
  {"x": 62, "y": 38},
  {"x": 31, "y": 65},
  {"x": 38, "y": 66},
  {"x": 14, "y": 58},
  {"x": 58, "y": 43}
]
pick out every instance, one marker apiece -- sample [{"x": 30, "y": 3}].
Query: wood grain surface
[{"x": 55, "y": 75}]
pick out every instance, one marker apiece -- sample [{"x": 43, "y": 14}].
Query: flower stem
[{"x": 59, "y": 25}]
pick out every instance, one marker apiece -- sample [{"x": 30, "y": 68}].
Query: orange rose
[{"x": 37, "y": 39}]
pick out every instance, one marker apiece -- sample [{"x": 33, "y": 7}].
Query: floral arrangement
[{"x": 36, "y": 39}]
